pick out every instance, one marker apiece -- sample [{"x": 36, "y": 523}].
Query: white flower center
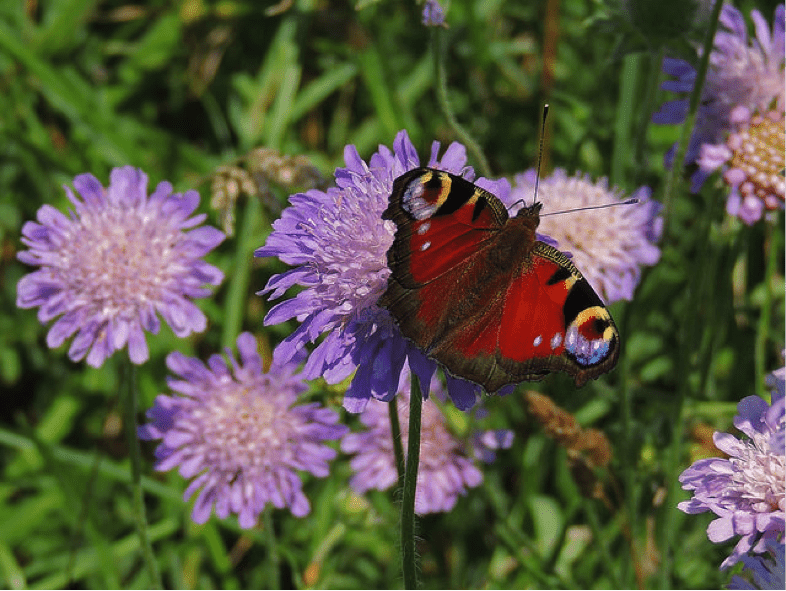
[
  {"x": 243, "y": 431},
  {"x": 119, "y": 259},
  {"x": 760, "y": 474}
]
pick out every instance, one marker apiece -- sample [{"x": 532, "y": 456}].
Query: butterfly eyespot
[
  {"x": 413, "y": 202},
  {"x": 599, "y": 325},
  {"x": 538, "y": 340}
]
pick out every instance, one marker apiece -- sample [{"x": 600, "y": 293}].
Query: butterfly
[{"x": 478, "y": 292}]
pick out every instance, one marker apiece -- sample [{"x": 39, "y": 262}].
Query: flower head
[
  {"x": 753, "y": 161},
  {"x": 766, "y": 571},
  {"x": 742, "y": 72},
  {"x": 609, "y": 245},
  {"x": 116, "y": 262},
  {"x": 433, "y": 14},
  {"x": 746, "y": 491},
  {"x": 447, "y": 465},
  {"x": 239, "y": 434},
  {"x": 337, "y": 242}
]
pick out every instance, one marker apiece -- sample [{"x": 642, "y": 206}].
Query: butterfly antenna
[
  {"x": 630, "y": 201},
  {"x": 540, "y": 150}
]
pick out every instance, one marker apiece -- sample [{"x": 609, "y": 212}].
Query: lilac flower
[
  {"x": 742, "y": 72},
  {"x": 609, "y": 246},
  {"x": 337, "y": 242},
  {"x": 746, "y": 491},
  {"x": 239, "y": 434},
  {"x": 753, "y": 161},
  {"x": 116, "y": 262},
  {"x": 446, "y": 469},
  {"x": 433, "y": 14},
  {"x": 766, "y": 572}
]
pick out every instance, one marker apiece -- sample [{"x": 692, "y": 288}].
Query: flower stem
[
  {"x": 688, "y": 339},
  {"x": 678, "y": 164},
  {"x": 764, "y": 328},
  {"x": 135, "y": 454},
  {"x": 237, "y": 295},
  {"x": 447, "y": 110},
  {"x": 395, "y": 433},
  {"x": 408, "y": 559},
  {"x": 273, "y": 563}
]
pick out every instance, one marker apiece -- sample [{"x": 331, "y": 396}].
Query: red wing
[
  {"x": 545, "y": 318},
  {"x": 441, "y": 220}
]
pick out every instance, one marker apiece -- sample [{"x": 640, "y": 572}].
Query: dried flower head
[{"x": 120, "y": 259}]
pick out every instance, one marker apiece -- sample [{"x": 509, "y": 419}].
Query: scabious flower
[
  {"x": 765, "y": 571},
  {"x": 116, "y": 262},
  {"x": 753, "y": 161},
  {"x": 447, "y": 466},
  {"x": 742, "y": 72},
  {"x": 239, "y": 434},
  {"x": 337, "y": 242},
  {"x": 609, "y": 246},
  {"x": 746, "y": 491},
  {"x": 433, "y": 14}
]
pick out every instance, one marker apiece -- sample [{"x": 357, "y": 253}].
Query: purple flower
[
  {"x": 742, "y": 72},
  {"x": 746, "y": 491},
  {"x": 337, "y": 242},
  {"x": 116, "y": 262},
  {"x": 753, "y": 161},
  {"x": 446, "y": 469},
  {"x": 609, "y": 246},
  {"x": 239, "y": 434},
  {"x": 433, "y": 14},
  {"x": 766, "y": 572}
]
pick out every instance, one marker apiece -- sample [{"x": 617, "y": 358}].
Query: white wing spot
[
  {"x": 556, "y": 340},
  {"x": 424, "y": 227},
  {"x": 425, "y": 246},
  {"x": 538, "y": 340}
]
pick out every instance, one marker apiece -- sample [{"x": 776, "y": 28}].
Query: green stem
[
  {"x": 408, "y": 558},
  {"x": 135, "y": 453},
  {"x": 611, "y": 561},
  {"x": 395, "y": 433},
  {"x": 654, "y": 60},
  {"x": 623, "y": 123},
  {"x": 763, "y": 329},
  {"x": 675, "y": 174},
  {"x": 273, "y": 559},
  {"x": 627, "y": 454},
  {"x": 447, "y": 110},
  {"x": 697, "y": 288},
  {"x": 248, "y": 238}
]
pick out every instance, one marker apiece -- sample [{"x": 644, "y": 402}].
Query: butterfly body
[{"x": 478, "y": 292}]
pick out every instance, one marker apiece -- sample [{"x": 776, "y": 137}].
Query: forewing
[{"x": 441, "y": 220}]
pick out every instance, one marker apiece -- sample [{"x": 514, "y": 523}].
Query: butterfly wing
[
  {"x": 443, "y": 221},
  {"x": 478, "y": 293}
]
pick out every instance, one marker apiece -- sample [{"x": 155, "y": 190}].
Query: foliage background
[{"x": 180, "y": 87}]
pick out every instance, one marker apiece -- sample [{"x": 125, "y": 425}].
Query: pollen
[{"x": 758, "y": 160}]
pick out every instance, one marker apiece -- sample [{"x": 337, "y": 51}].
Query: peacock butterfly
[{"x": 479, "y": 293}]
